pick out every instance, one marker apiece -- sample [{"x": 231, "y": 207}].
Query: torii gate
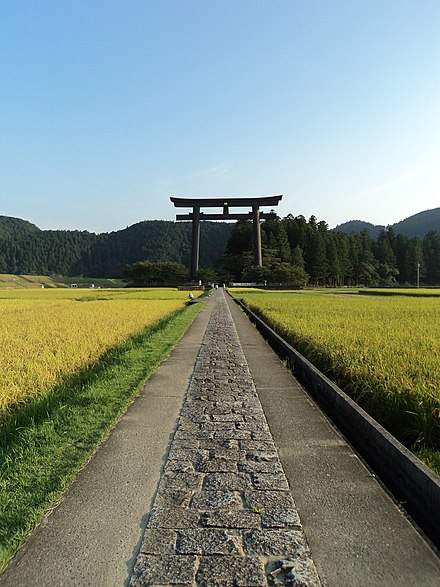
[{"x": 196, "y": 216}]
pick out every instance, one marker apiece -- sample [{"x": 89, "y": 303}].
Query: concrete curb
[{"x": 408, "y": 479}]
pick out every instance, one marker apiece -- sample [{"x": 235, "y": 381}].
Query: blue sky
[{"x": 109, "y": 107}]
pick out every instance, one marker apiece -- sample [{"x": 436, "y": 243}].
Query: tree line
[
  {"x": 305, "y": 252},
  {"x": 296, "y": 251}
]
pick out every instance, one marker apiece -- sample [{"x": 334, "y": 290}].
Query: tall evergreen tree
[
  {"x": 315, "y": 253},
  {"x": 431, "y": 251},
  {"x": 276, "y": 239},
  {"x": 368, "y": 274},
  {"x": 387, "y": 264}
]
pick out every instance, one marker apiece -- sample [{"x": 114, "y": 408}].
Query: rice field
[
  {"x": 48, "y": 335},
  {"x": 70, "y": 363},
  {"x": 384, "y": 351}
]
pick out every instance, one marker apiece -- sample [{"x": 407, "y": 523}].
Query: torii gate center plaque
[{"x": 196, "y": 216}]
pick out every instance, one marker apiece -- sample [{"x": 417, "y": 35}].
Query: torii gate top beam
[{"x": 222, "y": 202}]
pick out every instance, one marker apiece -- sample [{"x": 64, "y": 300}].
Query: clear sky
[{"x": 109, "y": 107}]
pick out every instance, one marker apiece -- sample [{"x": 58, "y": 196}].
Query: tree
[
  {"x": 315, "y": 253},
  {"x": 284, "y": 273},
  {"x": 416, "y": 261},
  {"x": 276, "y": 239},
  {"x": 209, "y": 275},
  {"x": 401, "y": 249},
  {"x": 343, "y": 252},
  {"x": 240, "y": 240},
  {"x": 367, "y": 263},
  {"x": 431, "y": 252},
  {"x": 256, "y": 274},
  {"x": 334, "y": 268},
  {"x": 296, "y": 230},
  {"x": 387, "y": 263},
  {"x": 300, "y": 275},
  {"x": 150, "y": 273}
]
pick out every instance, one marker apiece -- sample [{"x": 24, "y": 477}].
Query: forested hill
[
  {"x": 357, "y": 226},
  {"x": 15, "y": 226},
  {"x": 417, "y": 225},
  {"x": 25, "y": 249}
]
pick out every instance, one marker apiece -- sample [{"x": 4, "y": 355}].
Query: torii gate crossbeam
[{"x": 196, "y": 216}]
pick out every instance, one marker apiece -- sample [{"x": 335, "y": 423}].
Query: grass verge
[{"x": 44, "y": 443}]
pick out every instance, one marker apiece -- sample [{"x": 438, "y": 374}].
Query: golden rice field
[
  {"x": 47, "y": 335},
  {"x": 382, "y": 350}
]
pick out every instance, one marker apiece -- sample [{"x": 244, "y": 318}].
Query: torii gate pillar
[
  {"x": 195, "y": 248},
  {"x": 258, "y": 254},
  {"x": 196, "y": 216}
]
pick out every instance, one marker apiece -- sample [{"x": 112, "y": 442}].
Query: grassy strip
[{"x": 43, "y": 444}]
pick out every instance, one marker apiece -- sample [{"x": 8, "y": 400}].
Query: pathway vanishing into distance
[
  {"x": 223, "y": 472},
  {"x": 223, "y": 513}
]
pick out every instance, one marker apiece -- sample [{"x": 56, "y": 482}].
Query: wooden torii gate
[{"x": 196, "y": 216}]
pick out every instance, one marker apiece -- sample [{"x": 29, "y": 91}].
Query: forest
[
  {"x": 306, "y": 252},
  {"x": 296, "y": 251},
  {"x": 27, "y": 250}
]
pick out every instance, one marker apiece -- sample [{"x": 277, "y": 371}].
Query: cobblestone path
[{"x": 223, "y": 514}]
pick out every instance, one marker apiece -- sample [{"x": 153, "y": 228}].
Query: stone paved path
[{"x": 223, "y": 514}]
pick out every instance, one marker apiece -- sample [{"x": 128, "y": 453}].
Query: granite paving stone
[
  {"x": 182, "y": 454},
  {"x": 232, "y": 570},
  {"x": 261, "y": 455},
  {"x": 223, "y": 515},
  {"x": 231, "y": 454},
  {"x": 174, "y": 518},
  {"x": 216, "y": 426},
  {"x": 232, "y": 519},
  {"x": 159, "y": 541},
  {"x": 208, "y": 541},
  {"x": 173, "y": 497},
  {"x": 234, "y": 433},
  {"x": 270, "y": 481},
  {"x": 180, "y": 466},
  {"x": 274, "y": 542},
  {"x": 225, "y": 481},
  {"x": 220, "y": 443},
  {"x": 217, "y": 500},
  {"x": 269, "y": 499},
  {"x": 257, "y": 445},
  {"x": 218, "y": 466},
  {"x": 292, "y": 572},
  {"x": 179, "y": 480},
  {"x": 164, "y": 570},
  {"x": 280, "y": 518},
  {"x": 273, "y": 467}
]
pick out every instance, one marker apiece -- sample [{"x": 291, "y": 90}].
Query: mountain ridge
[{"x": 417, "y": 225}]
